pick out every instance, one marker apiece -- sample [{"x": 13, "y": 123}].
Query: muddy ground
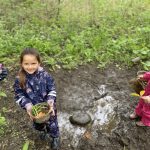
[{"x": 104, "y": 94}]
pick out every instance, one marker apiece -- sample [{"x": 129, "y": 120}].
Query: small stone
[
  {"x": 81, "y": 119},
  {"x": 47, "y": 147},
  {"x": 136, "y": 60}
]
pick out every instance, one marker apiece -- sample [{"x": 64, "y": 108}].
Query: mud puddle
[
  {"x": 102, "y": 112},
  {"x": 104, "y": 94}
]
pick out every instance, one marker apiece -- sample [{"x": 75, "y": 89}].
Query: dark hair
[{"x": 26, "y": 51}]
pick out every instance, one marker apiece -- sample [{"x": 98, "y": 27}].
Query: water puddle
[
  {"x": 102, "y": 114},
  {"x": 69, "y": 131}
]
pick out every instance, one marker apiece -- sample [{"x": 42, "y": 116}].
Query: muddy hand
[
  {"x": 51, "y": 106},
  {"x": 52, "y": 111},
  {"x": 30, "y": 115},
  {"x": 29, "y": 110}
]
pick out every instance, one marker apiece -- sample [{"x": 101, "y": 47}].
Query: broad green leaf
[
  {"x": 144, "y": 52},
  {"x": 2, "y": 94},
  {"x": 147, "y": 63},
  {"x": 2, "y": 120},
  {"x": 26, "y": 145},
  {"x": 134, "y": 94}
]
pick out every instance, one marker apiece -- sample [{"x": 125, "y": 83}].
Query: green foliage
[
  {"x": 2, "y": 94},
  {"x": 36, "y": 109},
  {"x": 2, "y": 124},
  {"x": 146, "y": 65},
  {"x": 26, "y": 145},
  {"x": 4, "y": 110},
  {"x": 2, "y": 119},
  {"x": 72, "y": 33}
]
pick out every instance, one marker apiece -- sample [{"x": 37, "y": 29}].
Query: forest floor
[{"x": 104, "y": 94}]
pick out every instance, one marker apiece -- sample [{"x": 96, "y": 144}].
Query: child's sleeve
[
  {"x": 51, "y": 90},
  {"x": 20, "y": 97},
  {"x": 146, "y": 76}
]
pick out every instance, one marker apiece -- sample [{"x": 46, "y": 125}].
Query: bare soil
[{"x": 78, "y": 90}]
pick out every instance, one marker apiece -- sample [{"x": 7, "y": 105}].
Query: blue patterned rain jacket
[{"x": 40, "y": 87}]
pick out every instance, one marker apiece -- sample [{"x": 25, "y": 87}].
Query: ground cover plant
[
  {"x": 3, "y": 122},
  {"x": 70, "y": 33}
]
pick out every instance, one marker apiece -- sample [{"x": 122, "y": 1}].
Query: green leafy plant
[
  {"x": 2, "y": 94},
  {"x": 3, "y": 124},
  {"x": 26, "y": 145},
  {"x": 72, "y": 33},
  {"x": 146, "y": 65},
  {"x": 41, "y": 107}
]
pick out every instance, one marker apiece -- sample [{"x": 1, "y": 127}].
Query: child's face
[{"x": 30, "y": 63}]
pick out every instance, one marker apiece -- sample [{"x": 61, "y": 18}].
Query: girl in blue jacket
[{"x": 34, "y": 85}]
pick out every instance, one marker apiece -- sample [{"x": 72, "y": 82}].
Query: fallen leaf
[
  {"x": 142, "y": 93},
  {"x": 134, "y": 94},
  {"x": 87, "y": 135}
]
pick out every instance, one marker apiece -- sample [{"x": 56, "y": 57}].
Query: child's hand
[
  {"x": 51, "y": 105},
  {"x": 140, "y": 76},
  {"x": 29, "y": 110},
  {"x": 30, "y": 115},
  {"x": 52, "y": 112},
  {"x": 146, "y": 99}
]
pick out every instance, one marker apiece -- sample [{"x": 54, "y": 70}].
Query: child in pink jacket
[{"x": 142, "y": 110}]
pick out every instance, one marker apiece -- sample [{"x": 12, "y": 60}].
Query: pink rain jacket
[{"x": 143, "y": 109}]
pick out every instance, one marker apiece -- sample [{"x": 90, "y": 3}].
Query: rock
[
  {"x": 79, "y": 118},
  {"x": 136, "y": 60}
]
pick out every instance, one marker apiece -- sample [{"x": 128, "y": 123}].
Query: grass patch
[{"x": 71, "y": 33}]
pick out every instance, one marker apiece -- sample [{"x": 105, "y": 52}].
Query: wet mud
[{"x": 103, "y": 94}]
